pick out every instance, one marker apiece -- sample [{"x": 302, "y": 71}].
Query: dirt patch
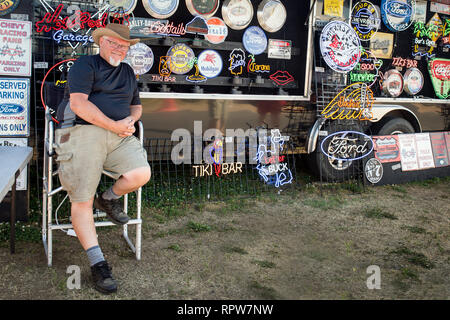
[{"x": 298, "y": 245}]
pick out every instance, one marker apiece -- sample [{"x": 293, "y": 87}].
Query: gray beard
[{"x": 114, "y": 62}]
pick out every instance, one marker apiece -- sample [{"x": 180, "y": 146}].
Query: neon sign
[
  {"x": 237, "y": 61},
  {"x": 353, "y": 102},
  {"x": 253, "y": 67},
  {"x": 400, "y": 62},
  {"x": 426, "y": 37},
  {"x": 440, "y": 75},
  {"x": 222, "y": 168},
  {"x": 362, "y": 71},
  {"x": 83, "y": 39},
  {"x": 281, "y": 78},
  {"x": 347, "y": 145},
  {"x": 273, "y": 170}
]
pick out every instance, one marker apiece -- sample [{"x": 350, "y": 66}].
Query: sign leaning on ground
[
  {"x": 15, "y": 47},
  {"x": 14, "y": 107}
]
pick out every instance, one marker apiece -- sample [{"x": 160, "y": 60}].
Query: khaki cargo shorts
[{"x": 83, "y": 151}]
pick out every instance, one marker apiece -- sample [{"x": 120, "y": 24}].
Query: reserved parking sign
[{"x": 14, "y": 107}]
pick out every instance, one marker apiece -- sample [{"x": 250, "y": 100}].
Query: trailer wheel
[
  {"x": 391, "y": 126},
  {"x": 332, "y": 170}
]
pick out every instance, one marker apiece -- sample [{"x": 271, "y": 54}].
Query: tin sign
[
  {"x": 123, "y": 6},
  {"x": 15, "y": 48},
  {"x": 205, "y": 8},
  {"x": 237, "y": 14},
  {"x": 14, "y": 107},
  {"x": 19, "y": 142},
  {"x": 365, "y": 20},
  {"x": 181, "y": 57},
  {"x": 8, "y": 6},
  {"x": 271, "y": 15},
  {"x": 413, "y": 79},
  {"x": 217, "y": 30},
  {"x": 440, "y": 8},
  {"x": 440, "y": 76},
  {"x": 393, "y": 83},
  {"x": 279, "y": 49},
  {"x": 160, "y": 9},
  {"x": 340, "y": 46},
  {"x": 140, "y": 58},
  {"x": 373, "y": 170},
  {"x": 254, "y": 40},
  {"x": 210, "y": 63},
  {"x": 398, "y": 14}
]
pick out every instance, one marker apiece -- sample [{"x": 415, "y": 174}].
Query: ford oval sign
[
  {"x": 10, "y": 108},
  {"x": 347, "y": 145},
  {"x": 398, "y": 15}
]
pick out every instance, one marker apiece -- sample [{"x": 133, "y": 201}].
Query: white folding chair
[{"x": 49, "y": 192}]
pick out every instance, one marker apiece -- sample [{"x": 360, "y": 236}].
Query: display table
[{"x": 12, "y": 161}]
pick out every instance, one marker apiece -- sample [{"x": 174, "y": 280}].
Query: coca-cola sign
[
  {"x": 347, "y": 145},
  {"x": 440, "y": 75}
]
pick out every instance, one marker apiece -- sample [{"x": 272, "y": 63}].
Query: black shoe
[
  {"x": 113, "y": 208},
  {"x": 102, "y": 277}
]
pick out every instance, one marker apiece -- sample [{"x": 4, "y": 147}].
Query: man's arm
[
  {"x": 89, "y": 112},
  {"x": 135, "y": 112}
]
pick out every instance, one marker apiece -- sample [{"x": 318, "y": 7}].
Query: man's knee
[
  {"x": 82, "y": 206},
  {"x": 139, "y": 176}
]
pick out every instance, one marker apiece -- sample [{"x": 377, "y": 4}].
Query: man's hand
[{"x": 125, "y": 127}]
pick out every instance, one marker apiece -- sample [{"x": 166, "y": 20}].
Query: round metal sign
[
  {"x": 365, "y": 20},
  {"x": 217, "y": 30},
  {"x": 340, "y": 46},
  {"x": 205, "y": 8},
  {"x": 160, "y": 9},
  {"x": 271, "y": 15},
  {"x": 181, "y": 58},
  {"x": 237, "y": 14},
  {"x": 140, "y": 57},
  {"x": 373, "y": 170},
  {"x": 398, "y": 15},
  {"x": 123, "y": 6},
  {"x": 413, "y": 79},
  {"x": 210, "y": 63},
  {"x": 254, "y": 40},
  {"x": 8, "y": 6},
  {"x": 393, "y": 83}
]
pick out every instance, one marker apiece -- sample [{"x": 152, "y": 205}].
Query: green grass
[
  {"x": 198, "y": 227},
  {"x": 234, "y": 249},
  {"x": 414, "y": 229},
  {"x": 378, "y": 213},
  {"x": 332, "y": 202},
  {"x": 413, "y": 257},
  {"x": 264, "y": 263},
  {"x": 174, "y": 247}
]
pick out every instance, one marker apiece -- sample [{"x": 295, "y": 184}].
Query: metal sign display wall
[
  {"x": 413, "y": 81},
  {"x": 217, "y": 30},
  {"x": 340, "y": 46},
  {"x": 15, "y": 48},
  {"x": 160, "y": 9},
  {"x": 205, "y": 8},
  {"x": 210, "y": 63},
  {"x": 14, "y": 107},
  {"x": 8, "y": 6},
  {"x": 398, "y": 15},
  {"x": 254, "y": 40},
  {"x": 347, "y": 145},
  {"x": 271, "y": 15},
  {"x": 181, "y": 57},
  {"x": 123, "y": 6},
  {"x": 440, "y": 76},
  {"x": 140, "y": 58},
  {"x": 393, "y": 83},
  {"x": 365, "y": 20},
  {"x": 237, "y": 14},
  {"x": 279, "y": 49}
]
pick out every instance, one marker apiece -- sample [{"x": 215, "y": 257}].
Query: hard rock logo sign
[
  {"x": 354, "y": 102},
  {"x": 340, "y": 46}
]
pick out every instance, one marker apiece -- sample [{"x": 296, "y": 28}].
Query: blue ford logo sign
[
  {"x": 398, "y": 14},
  {"x": 10, "y": 108},
  {"x": 347, "y": 145}
]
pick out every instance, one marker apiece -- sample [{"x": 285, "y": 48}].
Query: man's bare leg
[
  {"x": 131, "y": 181},
  {"x": 83, "y": 223}
]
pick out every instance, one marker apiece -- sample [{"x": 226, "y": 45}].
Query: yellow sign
[
  {"x": 333, "y": 8},
  {"x": 354, "y": 102}
]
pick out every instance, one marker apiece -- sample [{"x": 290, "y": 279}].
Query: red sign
[
  {"x": 54, "y": 22},
  {"x": 440, "y": 69}
]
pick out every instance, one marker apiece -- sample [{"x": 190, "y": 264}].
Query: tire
[
  {"x": 394, "y": 126},
  {"x": 331, "y": 170}
]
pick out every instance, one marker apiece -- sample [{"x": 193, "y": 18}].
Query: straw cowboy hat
[{"x": 115, "y": 30}]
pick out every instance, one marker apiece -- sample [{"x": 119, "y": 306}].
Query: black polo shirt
[{"x": 111, "y": 89}]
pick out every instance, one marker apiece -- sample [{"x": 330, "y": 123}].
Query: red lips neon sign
[{"x": 281, "y": 78}]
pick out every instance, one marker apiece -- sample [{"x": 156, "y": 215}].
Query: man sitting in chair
[{"x": 95, "y": 132}]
